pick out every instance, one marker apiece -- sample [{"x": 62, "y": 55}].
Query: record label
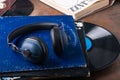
[{"x": 88, "y": 43}]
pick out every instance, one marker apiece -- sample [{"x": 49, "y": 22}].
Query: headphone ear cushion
[
  {"x": 37, "y": 49},
  {"x": 65, "y": 39},
  {"x": 59, "y": 40}
]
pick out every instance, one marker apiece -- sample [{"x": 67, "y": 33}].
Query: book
[
  {"x": 5, "y": 5},
  {"x": 78, "y": 8},
  {"x": 73, "y": 61}
]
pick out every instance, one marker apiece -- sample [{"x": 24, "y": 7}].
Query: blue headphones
[{"x": 33, "y": 48}]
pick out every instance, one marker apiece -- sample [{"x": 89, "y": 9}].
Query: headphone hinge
[{"x": 14, "y": 47}]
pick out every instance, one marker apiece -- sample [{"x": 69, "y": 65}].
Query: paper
[{"x": 74, "y": 5}]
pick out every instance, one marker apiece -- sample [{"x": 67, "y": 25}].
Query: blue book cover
[{"x": 11, "y": 61}]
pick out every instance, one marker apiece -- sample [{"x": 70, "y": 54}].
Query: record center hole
[{"x": 88, "y": 43}]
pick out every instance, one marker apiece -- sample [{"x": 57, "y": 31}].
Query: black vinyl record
[
  {"x": 102, "y": 46},
  {"x": 20, "y": 8}
]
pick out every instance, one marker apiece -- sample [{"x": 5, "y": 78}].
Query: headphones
[{"x": 33, "y": 48}]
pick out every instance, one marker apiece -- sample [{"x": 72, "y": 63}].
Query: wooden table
[{"x": 108, "y": 18}]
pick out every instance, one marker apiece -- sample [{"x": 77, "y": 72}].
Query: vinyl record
[
  {"x": 102, "y": 46},
  {"x": 20, "y": 8}
]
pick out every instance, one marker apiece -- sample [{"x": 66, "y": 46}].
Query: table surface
[{"x": 108, "y": 18}]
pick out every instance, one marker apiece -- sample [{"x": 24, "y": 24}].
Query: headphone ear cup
[
  {"x": 36, "y": 49},
  {"x": 59, "y": 40}
]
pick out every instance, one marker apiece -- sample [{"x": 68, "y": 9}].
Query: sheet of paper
[{"x": 74, "y": 5}]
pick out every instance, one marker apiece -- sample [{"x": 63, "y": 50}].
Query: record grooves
[
  {"x": 102, "y": 46},
  {"x": 20, "y": 8}
]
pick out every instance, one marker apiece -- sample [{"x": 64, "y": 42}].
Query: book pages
[
  {"x": 73, "y": 5},
  {"x": 78, "y": 8}
]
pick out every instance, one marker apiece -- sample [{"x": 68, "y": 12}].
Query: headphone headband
[{"x": 28, "y": 29}]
